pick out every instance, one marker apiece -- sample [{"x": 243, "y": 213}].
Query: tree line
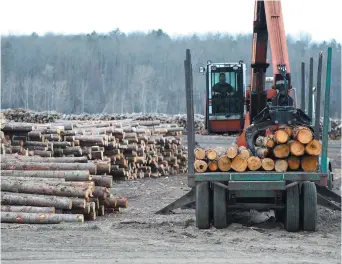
[{"x": 136, "y": 72}]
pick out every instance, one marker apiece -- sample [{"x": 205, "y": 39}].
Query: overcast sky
[{"x": 176, "y": 17}]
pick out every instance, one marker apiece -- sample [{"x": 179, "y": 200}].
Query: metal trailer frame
[{"x": 215, "y": 194}]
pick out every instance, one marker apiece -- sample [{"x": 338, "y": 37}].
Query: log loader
[{"x": 293, "y": 195}]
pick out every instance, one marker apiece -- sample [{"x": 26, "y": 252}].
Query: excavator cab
[{"x": 224, "y": 99}]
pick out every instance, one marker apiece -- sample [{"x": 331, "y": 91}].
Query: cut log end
[
  {"x": 281, "y": 151},
  {"x": 294, "y": 162},
  {"x": 199, "y": 153},
  {"x": 314, "y": 147},
  {"x": 297, "y": 148},
  {"x": 232, "y": 151},
  {"x": 253, "y": 163},
  {"x": 309, "y": 163},
  {"x": 212, "y": 166},
  {"x": 224, "y": 163},
  {"x": 200, "y": 166},
  {"x": 281, "y": 165},
  {"x": 281, "y": 136},
  {"x": 267, "y": 164},
  {"x": 303, "y": 135},
  {"x": 239, "y": 163}
]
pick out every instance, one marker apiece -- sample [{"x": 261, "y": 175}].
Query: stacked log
[
  {"x": 126, "y": 149},
  {"x": 288, "y": 149},
  {"x": 38, "y": 190},
  {"x": 28, "y": 116},
  {"x": 23, "y": 115}
]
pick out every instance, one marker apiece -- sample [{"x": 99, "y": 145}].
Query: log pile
[
  {"x": 125, "y": 149},
  {"x": 28, "y": 116},
  {"x": 37, "y": 190},
  {"x": 287, "y": 149}
]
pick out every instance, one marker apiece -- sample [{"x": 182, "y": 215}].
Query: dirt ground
[{"x": 138, "y": 235}]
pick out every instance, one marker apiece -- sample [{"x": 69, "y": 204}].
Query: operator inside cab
[{"x": 222, "y": 87}]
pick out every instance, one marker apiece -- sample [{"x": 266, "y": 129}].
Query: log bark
[
  {"x": 303, "y": 134},
  {"x": 36, "y": 143},
  {"x": 200, "y": 166},
  {"x": 296, "y": 148},
  {"x": 27, "y": 209},
  {"x": 40, "y": 159},
  {"x": 98, "y": 140},
  {"x": 232, "y": 151},
  {"x": 281, "y": 151},
  {"x": 32, "y": 179},
  {"x": 57, "y": 189},
  {"x": 261, "y": 152},
  {"x": 239, "y": 163},
  {"x": 309, "y": 163},
  {"x": 61, "y": 144},
  {"x": 224, "y": 163},
  {"x": 265, "y": 142},
  {"x": 39, "y": 218},
  {"x": 199, "y": 153},
  {"x": 314, "y": 147},
  {"x": 103, "y": 167},
  {"x": 35, "y": 200},
  {"x": 101, "y": 192},
  {"x": 253, "y": 163},
  {"x": 281, "y": 136},
  {"x": 294, "y": 162},
  {"x": 43, "y": 153},
  {"x": 77, "y": 151},
  {"x": 267, "y": 164},
  {"x": 109, "y": 202},
  {"x": 67, "y": 175},
  {"x": 48, "y": 166},
  {"x": 18, "y": 127},
  {"x": 78, "y": 202},
  {"x": 122, "y": 202},
  {"x": 281, "y": 165},
  {"x": 103, "y": 180}
]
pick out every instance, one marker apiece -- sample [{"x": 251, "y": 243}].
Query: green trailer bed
[{"x": 259, "y": 176}]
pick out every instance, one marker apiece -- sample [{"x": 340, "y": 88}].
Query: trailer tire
[
  {"x": 203, "y": 205},
  {"x": 291, "y": 219},
  {"x": 308, "y": 206},
  {"x": 219, "y": 207}
]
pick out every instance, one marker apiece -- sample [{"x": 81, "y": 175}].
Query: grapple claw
[{"x": 274, "y": 115}]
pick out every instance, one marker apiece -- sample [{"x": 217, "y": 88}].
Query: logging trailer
[{"x": 292, "y": 195}]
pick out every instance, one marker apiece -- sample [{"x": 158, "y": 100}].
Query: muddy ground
[{"x": 138, "y": 235}]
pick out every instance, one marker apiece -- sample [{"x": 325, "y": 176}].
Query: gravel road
[{"x": 138, "y": 235}]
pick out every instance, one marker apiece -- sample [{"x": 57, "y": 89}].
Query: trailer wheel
[
  {"x": 291, "y": 219},
  {"x": 308, "y": 206},
  {"x": 219, "y": 207},
  {"x": 203, "y": 205}
]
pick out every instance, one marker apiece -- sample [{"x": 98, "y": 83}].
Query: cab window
[{"x": 228, "y": 105}]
